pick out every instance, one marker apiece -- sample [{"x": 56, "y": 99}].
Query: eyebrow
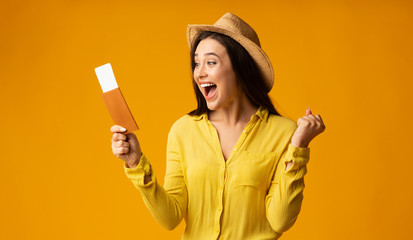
[{"x": 207, "y": 54}]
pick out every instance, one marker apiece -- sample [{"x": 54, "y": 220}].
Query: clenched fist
[
  {"x": 309, "y": 126},
  {"x": 125, "y": 146}
]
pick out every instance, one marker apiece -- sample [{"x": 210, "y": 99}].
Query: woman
[{"x": 235, "y": 167}]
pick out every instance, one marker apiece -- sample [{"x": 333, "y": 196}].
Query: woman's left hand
[{"x": 309, "y": 126}]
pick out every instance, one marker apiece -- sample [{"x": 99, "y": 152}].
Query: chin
[{"x": 212, "y": 106}]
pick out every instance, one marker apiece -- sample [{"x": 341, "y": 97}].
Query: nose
[{"x": 200, "y": 72}]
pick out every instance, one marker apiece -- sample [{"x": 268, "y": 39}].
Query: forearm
[
  {"x": 167, "y": 206},
  {"x": 284, "y": 205},
  {"x": 283, "y": 202}
]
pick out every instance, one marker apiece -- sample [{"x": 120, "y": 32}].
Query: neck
[{"x": 236, "y": 112}]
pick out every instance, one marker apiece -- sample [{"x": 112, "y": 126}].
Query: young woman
[{"x": 235, "y": 167}]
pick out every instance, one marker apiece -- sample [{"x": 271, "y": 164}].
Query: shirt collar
[
  {"x": 261, "y": 113},
  {"x": 198, "y": 117}
]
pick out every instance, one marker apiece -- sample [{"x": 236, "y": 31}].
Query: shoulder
[
  {"x": 277, "y": 132},
  {"x": 284, "y": 121},
  {"x": 282, "y": 124},
  {"x": 184, "y": 124}
]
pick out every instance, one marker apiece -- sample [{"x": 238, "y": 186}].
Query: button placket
[
  {"x": 244, "y": 134},
  {"x": 220, "y": 199}
]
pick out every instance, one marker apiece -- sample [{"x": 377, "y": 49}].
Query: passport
[{"x": 114, "y": 100}]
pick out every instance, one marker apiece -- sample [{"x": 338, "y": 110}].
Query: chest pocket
[{"x": 254, "y": 169}]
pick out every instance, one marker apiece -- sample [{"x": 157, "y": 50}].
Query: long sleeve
[
  {"x": 284, "y": 198},
  {"x": 167, "y": 204}
]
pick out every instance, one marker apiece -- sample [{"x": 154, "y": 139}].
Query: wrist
[
  {"x": 300, "y": 144},
  {"x": 131, "y": 165},
  {"x": 134, "y": 163}
]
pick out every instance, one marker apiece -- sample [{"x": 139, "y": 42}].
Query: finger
[
  {"x": 117, "y": 128},
  {"x": 308, "y": 111},
  {"x": 308, "y": 118},
  {"x": 315, "y": 122},
  {"x": 322, "y": 126},
  {"x": 312, "y": 118},
  {"x": 303, "y": 121},
  {"x": 319, "y": 118},
  {"x": 118, "y": 137},
  {"x": 299, "y": 121},
  {"x": 120, "y": 151},
  {"x": 119, "y": 144},
  {"x": 307, "y": 121},
  {"x": 124, "y": 150}
]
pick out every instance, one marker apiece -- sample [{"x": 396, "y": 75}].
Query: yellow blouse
[{"x": 249, "y": 196}]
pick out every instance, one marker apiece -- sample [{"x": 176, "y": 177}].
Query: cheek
[
  {"x": 230, "y": 80},
  {"x": 223, "y": 75}
]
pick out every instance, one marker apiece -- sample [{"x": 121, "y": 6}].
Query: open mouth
[{"x": 209, "y": 90}]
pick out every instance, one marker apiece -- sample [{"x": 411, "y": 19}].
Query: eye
[
  {"x": 196, "y": 64},
  {"x": 211, "y": 63}
]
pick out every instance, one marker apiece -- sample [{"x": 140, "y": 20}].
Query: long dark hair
[{"x": 245, "y": 69}]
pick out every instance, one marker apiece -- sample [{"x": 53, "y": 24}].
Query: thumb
[{"x": 308, "y": 111}]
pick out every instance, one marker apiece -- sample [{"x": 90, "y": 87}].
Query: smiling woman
[
  {"x": 214, "y": 75},
  {"x": 235, "y": 167},
  {"x": 250, "y": 82}
]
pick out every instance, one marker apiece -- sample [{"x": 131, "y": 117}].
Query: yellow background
[{"x": 350, "y": 61}]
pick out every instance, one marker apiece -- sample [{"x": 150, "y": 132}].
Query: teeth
[{"x": 207, "y": 84}]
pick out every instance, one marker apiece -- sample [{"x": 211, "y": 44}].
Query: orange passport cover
[{"x": 119, "y": 110}]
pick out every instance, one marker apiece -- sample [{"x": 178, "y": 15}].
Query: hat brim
[{"x": 259, "y": 56}]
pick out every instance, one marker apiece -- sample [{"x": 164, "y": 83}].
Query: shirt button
[
  {"x": 295, "y": 154},
  {"x": 219, "y": 209}
]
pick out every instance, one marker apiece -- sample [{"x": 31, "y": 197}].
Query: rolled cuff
[
  {"x": 298, "y": 156},
  {"x": 137, "y": 174}
]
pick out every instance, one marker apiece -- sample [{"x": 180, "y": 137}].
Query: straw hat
[{"x": 240, "y": 31}]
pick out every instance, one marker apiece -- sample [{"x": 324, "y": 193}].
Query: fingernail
[{"x": 123, "y": 129}]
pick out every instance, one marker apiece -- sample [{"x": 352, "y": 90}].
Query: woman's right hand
[{"x": 125, "y": 146}]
